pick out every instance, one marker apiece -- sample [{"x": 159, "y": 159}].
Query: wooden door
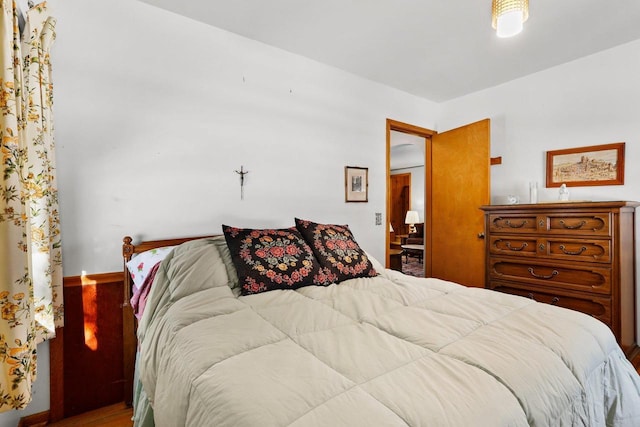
[
  {"x": 400, "y": 201},
  {"x": 459, "y": 162}
]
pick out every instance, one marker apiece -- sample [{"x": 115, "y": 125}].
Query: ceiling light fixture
[{"x": 507, "y": 16}]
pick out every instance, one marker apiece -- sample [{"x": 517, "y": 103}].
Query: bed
[{"x": 381, "y": 349}]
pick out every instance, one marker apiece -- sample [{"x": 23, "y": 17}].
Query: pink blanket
[{"x": 139, "y": 298}]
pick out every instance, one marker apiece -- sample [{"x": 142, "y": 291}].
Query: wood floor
[{"x": 117, "y": 415}]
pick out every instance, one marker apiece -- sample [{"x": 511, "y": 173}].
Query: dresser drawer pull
[
  {"x": 522, "y": 224},
  {"x": 555, "y": 300},
  {"x": 572, "y": 227},
  {"x": 537, "y": 276},
  {"x": 578, "y": 252},
  {"x": 524, "y": 245}
]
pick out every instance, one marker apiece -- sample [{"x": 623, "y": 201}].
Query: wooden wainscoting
[{"x": 87, "y": 356}]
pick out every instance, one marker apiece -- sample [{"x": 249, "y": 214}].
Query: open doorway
[
  {"x": 406, "y": 197},
  {"x": 456, "y": 171}
]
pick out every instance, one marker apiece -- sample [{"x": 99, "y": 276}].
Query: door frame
[{"x": 394, "y": 125}]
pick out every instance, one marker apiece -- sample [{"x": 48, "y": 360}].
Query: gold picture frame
[
  {"x": 356, "y": 184},
  {"x": 586, "y": 166}
]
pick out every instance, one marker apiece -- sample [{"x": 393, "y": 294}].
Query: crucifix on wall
[{"x": 242, "y": 173}]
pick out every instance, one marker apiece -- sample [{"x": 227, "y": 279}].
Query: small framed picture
[
  {"x": 586, "y": 166},
  {"x": 356, "y": 184}
]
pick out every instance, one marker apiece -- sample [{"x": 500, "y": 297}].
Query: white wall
[
  {"x": 590, "y": 101},
  {"x": 154, "y": 112}
]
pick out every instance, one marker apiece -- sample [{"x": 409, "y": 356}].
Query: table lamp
[{"x": 412, "y": 218}]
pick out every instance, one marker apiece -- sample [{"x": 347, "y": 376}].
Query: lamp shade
[
  {"x": 412, "y": 217},
  {"x": 508, "y": 16}
]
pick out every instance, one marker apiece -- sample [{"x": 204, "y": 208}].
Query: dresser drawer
[
  {"x": 576, "y": 250},
  {"x": 593, "y": 250},
  {"x": 583, "y": 224},
  {"x": 598, "y": 307},
  {"x": 513, "y": 245},
  {"x": 544, "y": 274},
  {"x": 596, "y": 224},
  {"x": 513, "y": 223}
]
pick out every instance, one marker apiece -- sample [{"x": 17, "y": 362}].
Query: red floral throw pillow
[
  {"x": 273, "y": 259},
  {"x": 336, "y": 249}
]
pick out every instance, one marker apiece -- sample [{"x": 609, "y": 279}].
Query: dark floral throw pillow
[
  {"x": 336, "y": 249},
  {"x": 273, "y": 259}
]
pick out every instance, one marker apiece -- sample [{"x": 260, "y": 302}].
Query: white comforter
[{"x": 387, "y": 351}]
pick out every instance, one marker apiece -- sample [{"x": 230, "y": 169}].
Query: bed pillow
[
  {"x": 268, "y": 259},
  {"x": 141, "y": 264},
  {"x": 336, "y": 249},
  {"x": 377, "y": 265}
]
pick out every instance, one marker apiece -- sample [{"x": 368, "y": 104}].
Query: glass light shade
[
  {"x": 508, "y": 16},
  {"x": 509, "y": 24}
]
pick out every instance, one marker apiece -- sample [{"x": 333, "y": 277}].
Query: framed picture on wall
[
  {"x": 356, "y": 184},
  {"x": 586, "y": 166}
]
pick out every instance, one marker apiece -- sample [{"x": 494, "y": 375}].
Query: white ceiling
[
  {"x": 407, "y": 151},
  {"x": 435, "y": 49}
]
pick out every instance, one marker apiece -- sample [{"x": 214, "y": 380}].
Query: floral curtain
[{"x": 30, "y": 256}]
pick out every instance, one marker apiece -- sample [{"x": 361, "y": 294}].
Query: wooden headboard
[{"x": 129, "y": 339}]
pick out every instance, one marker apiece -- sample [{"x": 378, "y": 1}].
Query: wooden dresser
[{"x": 577, "y": 255}]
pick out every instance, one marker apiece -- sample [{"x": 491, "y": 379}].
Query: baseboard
[{"x": 40, "y": 419}]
